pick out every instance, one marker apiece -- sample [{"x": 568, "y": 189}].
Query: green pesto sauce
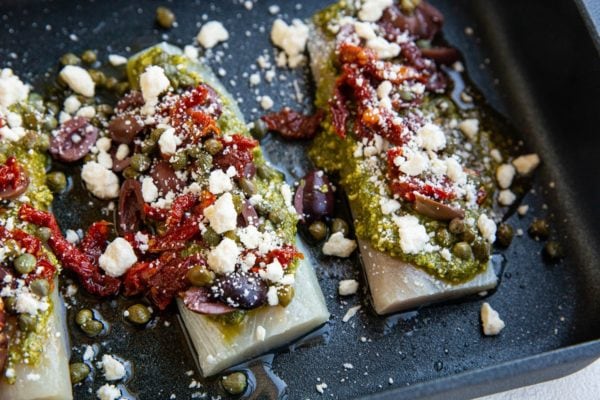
[
  {"x": 179, "y": 68},
  {"x": 335, "y": 155}
]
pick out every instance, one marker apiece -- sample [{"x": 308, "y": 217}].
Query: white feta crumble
[
  {"x": 372, "y": 10},
  {"x": 505, "y": 174},
  {"x": 87, "y": 112},
  {"x": 108, "y": 392},
  {"x": 71, "y": 104},
  {"x": 219, "y": 182},
  {"x": 88, "y": 353},
  {"x": 415, "y": 163},
  {"x": 526, "y": 164},
  {"x": 211, "y": 34},
  {"x": 113, "y": 369},
  {"x": 506, "y": 197},
  {"x": 260, "y": 333},
  {"x": 339, "y": 246},
  {"x": 455, "y": 171},
  {"x": 383, "y": 48},
  {"x": 321, "y": 387},
  {"x": 291, "y": 39},
  {"x": 103, "y": 144},
  {"x": 470, "y": 127},
  {"x": 122, "y": 152},
  {"x": 190, "y": 52},
  {"x": 490, "y": 320},
  {"x": 29, "y": 303},
  {"x": 273, "y": 272},
  {"x": 117, "y": 60},
  {"x": 365, "y": 30},
  {"x": 78, "y": 79},
  {"x": 153, "y": 82},
  {"x": 350, "y": 313},
  {"x": 413, "y": 236},
  {"x": 432, "y": 137},
  {"x": 254, "y": 79},
  {"x": 12, "y": 89},
  {"x": 117, "y": 258},
  {"x": 71, "y": 236},
  {"x": 222, "y": 259},
  {"x": 222, "y": 215},
  {"x": 272, "y": 296},
  {"x": 149, "y": 190},
  {"x": 522, "y": 210},
  {"x": 487, "y": 227},
  {"x": 389, "y": 206},
  {"x": 169, "y": 141},
  {"x": 102, "y": 182},
  {"x": 266, "y": 102},
  {"x": 347, "y": 287}
]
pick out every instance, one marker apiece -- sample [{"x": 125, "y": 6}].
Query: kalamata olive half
[
  {"x": 74, "y": 139},
  {"x": 13, "y": 180},
  {"x": 436, "y": 210},
  {"x": 198, "y": 299},
  {"x": 316, "y": 196},
  {"x": 442, "y": 55},
  {"x": 131, "y": 100},
  {"x": 248, "y": 216},
  {"x": 240, "y": 289},
  {"x": 164, "y": 178},
  {"x": 124, "y": 128},
  {"x": 131, "y": 206}
]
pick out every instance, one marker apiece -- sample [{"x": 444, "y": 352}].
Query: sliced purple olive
[
  {"x": 316, "y": 197},
  {"x": 131, "y": 206},
  {"x": 241, "y": 289},
  {"x": 198, "y": 299},
  {"x": 442, "y": 55},
  {"x": 131, "y": 100},
  {"x": 423, "y": 22},
  {"x": 436, "y": 210},
  {"x": 214, "y": 107},
  {"x": 124, "y": 128},
  {"x": 248, "y": 216},
  {"x": 74, "y": 139},
  {"x": 164, "y": 178}
]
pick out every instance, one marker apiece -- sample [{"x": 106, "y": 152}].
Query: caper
[
  {"x": 105, "y": 109},
  {"x": 408, "y": 6},
  {"x": 276, "y": 216},
  {"x": 78, "y": 371},
  {"x": 25, "y": 263},
  {"x": 56, "y": 181},
  {"x": 138, "y": 314},
  {"x": 462, "y": 250},
  {"x": 27, "y": 322},
  {"x": 130, "y": 173},
  {"x": 194, "y": 151},
  {"x": 285, "y": 294},
  {"x": 110, "y": 82},
  {"x": 265, "y": 172},
  {"x": 407, "y": 95},
  {"x": 230, "y": 235},
  {"x": 233, "y": 318},
  {"x": 140, "y": 162},
  {"x": 468, "y": 235},
  {"x": 213, "y": 146},
  {"x": 210, "y": 237},
  {"x": 84, "y": 315},
  {"x": 457, "y": 226},
  {"x": 164, "y": 17},
  {"x": 504, "y": 235},
  {"x": 200, "y": 276},
  {"x": 148, "y": 146},
  {"x": 204, "y": 161},
  {"x": 339, "y": 225},
  {"x": 318, "y": 230},
  {"x": 423, "y": 43},
  {"x": 29, "y": 118},
  {"x": 92, "y": 327},
  {"x": 42, "y": 143},
  {"x": 186, "y": 80},
  {"x": 443, "y": 237},
  {"x": 178, "y": 161},
  {"x": 41, "y": 287},
  {"x": 156, "y": 133},
  {"x": 97, "y": 76},
  {"x": 247, "y": 186},
  {"x": 50, "y": 122},
  {"x": 89, "y": 56},
  {"x": 260, "y": 129},
  {"x": 238, "y": 203},
  {"x": 553, "y": 250},
  {"x": 481, "y": 249},
  {"x": 234, "y": 383},
  {"x": 10, "y": 304},
  {"x": 122, "y": 87},
  {"x": 44, "y": 233},
  {"x": 539, "y": 229},
  {"x": 69, "y": 59}
]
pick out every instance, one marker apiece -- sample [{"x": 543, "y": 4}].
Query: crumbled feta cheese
[
  {"x": 321, "y": 387},
  {"x": 12, "y": 89},
  {"x": 88, "y": 353},
  {"x": 260, "y": 333},
  {"x": 222, "y": 215},
  {"x": 350, "y": 313},
  {"x": 254, "y": 79},
  {"x": 413, "y": 236},
  {"x": 383, "y": 48},
  {"x": 432, "y": 137},
  {"x": 496, "y": 155},
  {"x": 117, "y": 258},
  {"x": 149, "y": 190},
  {"x": 102, "y": 182},
  {"x": 78, "y": 79},
  {"x": 414, "y": 164},
  {"x": 266, "y": 102},
  {"x": 72, "y": 236},
  {"x": 122, "y": 152},
  {"x": 272, "y": 297},
  {"x": 104, "y": 159},
  {"x": 487, "y": 227},
  {"x": 273, "y": 271},
  {"x": 337, "y": 245},
  {"x": 372, "y": 10},
  {"x": 153, "y": 82},
  {"x": 222, "y": 259},
  {"x": 71, "y": 104},
  {"x": 29, "y": 303},
  {"x": 347, "y": 287},
  {"x": 117, "y": 60},
  {"x": 250, "y": 236},
  {"x": 103, "y": 144},
  {"x": 113, "y": 369},
  {"x": 87, "y": 112},
  {"x": 364, "y": 30},
  {"x": 108, "y": 392},
  {"x": 506, "y": 197},
  {"x": 455, "y": 171},
  {"x": 490, "y": 319},
  {"x": 212, "y": 33},
  {"x": 504, "y": 175},
  {"x": 168, "y": 141},
  {"x": 273, "y": 9},
  {"x": 389, "y": 206},
  {"x": 219, "y": 182},
  {"x": 526, "y": 164},
  {"x": 291, "y": 39},
  {"x": 522, "y": 210},
  {"x": 470, "y": 127}
]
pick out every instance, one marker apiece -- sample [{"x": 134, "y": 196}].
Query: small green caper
[
  {"x": 234, "y": 383},
  {"x": 468, "y": 235},
  {"x": 178, "y": 161},
  {"x": 265, "y": 172},
  {"x": 140, "y": 162},
  {"x": 553, "y": 250},
  {"x": 164, "y": 17},
  {"x": 481, "y": 249},
  {"x": 44, "y": 233},
  {"x": 200, "y": 276},
  {"x": 443, "y": 237},
  {"x": 89, "y": 56},
  {"x": 233, "y": 318},
  {"x": 504, "y": 235},
  {"x": 238, "y": 203},
  {"x": 186, "y": 80},
  {"x": 92, "y": 327},
  {"x": 69, "y": 59},
  {"x": 408, "y": 6},
  {"x": 130, "y": 173},
  {"x": 318, "y": 230},
  {"x": 148, "y": 146},
  {"x": 194, "y": 151},
  {"x": 78, "y": 371},
  {"x": 56, "y": 181},
  {"x": 122, "y": 87},
  {"x": 41, "y": 287},
  {"x": 138, "y": 314},
  {"x": 259, "y": 129},
  {"x": 339, "y": 225},
  {"x": 156, "y": 133},
  {"x": 50, "y": 122},
  {"x": 110, "y": 82},
  {"x": 84, "y": 315},
  {"x": 105, "y": 109},
  {"x": 407, "y": 95},
  {"x": 42, "y": 143},
  {"x": 276, "y": 216},
  {"x": 213, "y": 146},
  {"x": 27, "y": 322},
  {"x": 457, "y": 226},
  {"x": 97, "y": 76},
  {"x": 285, "y": 294},
  {"x": 25, "y": 263},
  {"x": 210, "y": 237},
  {"x": 230, "y": 235},
  {"x": 10, "y": 304},
  {"x": 462, "y": 250},
  {"x": 247, "y": 186},
  {"x": 539, "y": 229},
  {"x": 204, "y": 161}
]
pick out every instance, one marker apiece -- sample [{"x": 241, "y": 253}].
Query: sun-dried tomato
[
  {"x": 285, "y": 255},
  {"x": 171, "y": 279},
  {"x": 195, "y": 113},
  {"x": 135, "y": 280},
  {"x": 293, "y": 125},
  {"x": 13, "y": 179},
  {"x": 155, "y": 213},
  {"x": 180, "y": 206},
  {"x": 237, "y": 152},
  {"x": 175, "y": 239},
  {"x": 206, "y": 199},
  {"x": 95, "y": 240}
]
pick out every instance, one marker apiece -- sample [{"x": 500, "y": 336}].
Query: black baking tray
[{"x": 536, "y": 63}]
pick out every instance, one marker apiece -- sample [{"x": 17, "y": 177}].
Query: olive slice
[
  {"x": 124, "y": 128},
  {"x": 245, "y": 290},
  {"x": 316, "y": 197},
  {"x": 164, "y": 178},
  {"x": 436, "y": 210},
  {"x": 74, "y": 139},
  {"x": 131, "y": 206},
  {"x": 131, "y": 100},
  {"x": 198, "y": 300}
]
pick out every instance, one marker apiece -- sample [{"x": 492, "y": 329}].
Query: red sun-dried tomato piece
[
  {"x": 237, "y": 153},
  {"x": 293, "y": 125},
  {"x": 13, "y": 179}
]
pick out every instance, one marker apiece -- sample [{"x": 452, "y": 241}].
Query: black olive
[
  {"x": 317, "y": 198},
  {"x": 245, "y": 290}
]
